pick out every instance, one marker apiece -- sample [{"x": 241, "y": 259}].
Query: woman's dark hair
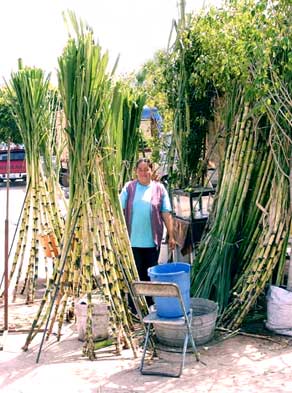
[{"x": 146, "y": 160}]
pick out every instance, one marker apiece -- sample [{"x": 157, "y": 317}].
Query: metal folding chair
[{"x": 163, "y": 289}]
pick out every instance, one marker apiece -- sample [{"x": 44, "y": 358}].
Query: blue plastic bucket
[{"x": 178, "y": 273}]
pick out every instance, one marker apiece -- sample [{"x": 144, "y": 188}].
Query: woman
[{"x": 146, "y": 206}]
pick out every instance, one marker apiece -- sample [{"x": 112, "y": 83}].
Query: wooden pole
[{"x": 6, "y": 242}]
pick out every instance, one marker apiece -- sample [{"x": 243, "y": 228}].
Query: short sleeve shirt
[{"x": 141, "y": 229}]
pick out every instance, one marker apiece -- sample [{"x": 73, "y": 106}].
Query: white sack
[{"x": 279, "y": 311}]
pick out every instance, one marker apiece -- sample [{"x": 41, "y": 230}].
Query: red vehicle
[{"x": 17, "y": 165}]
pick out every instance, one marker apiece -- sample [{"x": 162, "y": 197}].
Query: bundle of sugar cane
[
  {"x": 264, "y": 251},
  {"x": 41, "y": 218},
  {"x": 211, "y": 273},
  {"x": 247, "y": 242},
  {"x": 88, "y": 245}
]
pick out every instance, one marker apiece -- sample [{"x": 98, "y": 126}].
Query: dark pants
[{"x": 144, "y": 258}]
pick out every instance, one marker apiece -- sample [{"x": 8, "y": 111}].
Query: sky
[{"x": 34, "y": 30}]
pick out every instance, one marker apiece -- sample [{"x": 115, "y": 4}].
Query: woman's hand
[
  {"x": 168, "y": 221},
  {"x": 171, "y": 243}
]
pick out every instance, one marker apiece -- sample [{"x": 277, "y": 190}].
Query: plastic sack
[
  {"x": 279, "y": 311},
  {"x": 100, "y": 319}
]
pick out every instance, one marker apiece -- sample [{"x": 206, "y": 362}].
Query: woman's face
[{"x": 143, "y": 172}]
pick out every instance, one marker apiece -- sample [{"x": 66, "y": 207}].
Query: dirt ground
[{"x": 240, "y": 363}]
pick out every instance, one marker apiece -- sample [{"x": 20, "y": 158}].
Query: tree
[
  {"x": 154, "y": 81},
  {"x": 8, "y": 126}
]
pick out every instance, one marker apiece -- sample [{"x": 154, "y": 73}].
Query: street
[{"x": 15, "y": 198}]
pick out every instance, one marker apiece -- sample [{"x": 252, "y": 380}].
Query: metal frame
[{"x": 163, "y": 289}]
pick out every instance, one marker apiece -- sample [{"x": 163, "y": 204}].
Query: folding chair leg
[
  {"x": 184, "y": 353},
  {"x": 145, "y": 372},
  {"x": 178, "y": 374},
  {"x": 145, "y": 347},
  {"x": 192, "y": 340},
  {"x": 194, "y": 348}
]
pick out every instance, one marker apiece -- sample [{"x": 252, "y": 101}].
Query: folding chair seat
[{"x": 163, "y": 289}]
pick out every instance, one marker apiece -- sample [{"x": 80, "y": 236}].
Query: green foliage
[
  {"x": 8, "y": 126},
  {"x": 246, "y": 55},
  {"x": 28, "y": 97},
  {"x": 84, "y": 87},
  {"x": 244, "y": 33},
  {"x": 122, "y": 132},
  {"x": 155, "y": 144},
  {"x": 241, "y": 42},
  {"x": 154, "y": 83},
  {"x": 192, "y": 105}
]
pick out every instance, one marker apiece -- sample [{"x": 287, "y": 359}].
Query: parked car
[{"x": 17, "y": 165}]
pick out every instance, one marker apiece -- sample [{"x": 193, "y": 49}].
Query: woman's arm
[{"x": 168, "y": 221}]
